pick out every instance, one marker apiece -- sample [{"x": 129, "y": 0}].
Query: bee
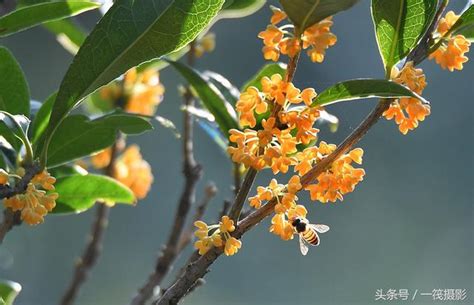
[{"x": 308, "y": 233}]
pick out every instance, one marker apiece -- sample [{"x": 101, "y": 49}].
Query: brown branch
[
  {"x": 209, "y": 193},
  {"x": 94, "y": 245},
  {"x": 197, "y": 269},
  {"x": 237, "y": 177},
  {"x": 10, "y": 218},
  {"x": 192, "y": 172}
]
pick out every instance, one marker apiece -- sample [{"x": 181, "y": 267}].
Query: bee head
[{"x": 299, "y": 224}]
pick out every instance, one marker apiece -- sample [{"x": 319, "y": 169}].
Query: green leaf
[
  {"x": 130, "y": 33},
  {"x": 267, "y": 70},
  {"x": 210, "y": 96},
  {"x": 399, "y": 25},
  {"x": 14, "y": 94},
  {"x": 78, "y": 193},
  {"x": 240, "y": 8},
  {"x": 8, "y": 291},
  {"x": 465, "y": 24},
  {"x": 363, "y": 88},
  {"x": 18, "y": 125},
  {"x": 41, "y": 119},
  {"x": 67, "y": 170},
  {"x": 305, "y": 13},
  {"x": 229, "y": 92},
  {"x": 30, "y": 16},
  {"x": 79, "y": 137},
  {"x": 68, "y": 34}
]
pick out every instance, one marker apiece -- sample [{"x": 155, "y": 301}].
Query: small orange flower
[
  {"x": 226, "y": 225},
  {"x": 278, "y": 15},
  {"x": 3, "y": 177},
  {"x": 319, "y": 38},
  {"x": 205, "y": 44},
  {"x": 415, "y": 110},
  {"x": 35, "y": 203},
  {"x": 134, "y": 172},
  {"x": 102, "y": 158},
  {"x": 450, "y": 54},
  {"x": 341, "y": 178},
  {"x": 250, "y": 101},
  {"x": 232, "y": 246}
]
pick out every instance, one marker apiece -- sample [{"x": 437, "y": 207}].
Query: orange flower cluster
[
  {"x": 341, "y": 178},
  {"x": 130, "y": 169},
  {"x": 407, "y": 112},
  {"x": 277, "y": 40},
  {"x": 140, "y": 93},
  {"x": 274, "y": 146},
  {"x": 450, "y": 54},
  {"x": 216, "y": 236},
  {"x": 35, "y": 203}
]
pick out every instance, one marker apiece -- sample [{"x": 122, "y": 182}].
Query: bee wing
[
  {"x": 320, "y": 228},
  {"x": 303, "y": 247}
]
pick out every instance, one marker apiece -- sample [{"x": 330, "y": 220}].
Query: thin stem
[
  {"x": 94, "y": 245},
  {"x": 237, "y": 177},
  {"x": 192, "y": 172},
  {"x": 209, "y": 193}
]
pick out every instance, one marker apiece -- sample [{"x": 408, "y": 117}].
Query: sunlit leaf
[
  {"x": 68, "y": 34},
  {"x": 8, "y": 292},
  {"x": 361, "y": 89},
  {"x": 130, "y": 33},
  {"x": 41, "y": 119},
  {"x": 78, "y": 193},
  {"x": 78, "y": 136},
  {"x": 399, "y": 25},
  {"x": 30, "y": 16},
  {"x": 305, "y": 13},
  {"x": 210, "y": 96},
  {"x": 240, "y": 8}
]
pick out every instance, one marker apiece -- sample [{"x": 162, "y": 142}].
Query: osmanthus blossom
[
  {"x": 451, "y": 53},
  {"x": 38, "y": 199}
]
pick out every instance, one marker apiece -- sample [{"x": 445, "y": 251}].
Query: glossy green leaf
[
  {"x": 41, "y": 119},
  {"x": 14, "y": 94},
  {"x": 67, "y": 170},
  {"x": 78, "y": 193},
  {"x": 361, "y": 89},
  {"x": 399, "y": 25},
  {"x": 78, "y": 137},
  {"x": 8, "y": 292},
  {"x": 210, "y": 96},
  {"x": 267, "y": 70},
  {"x": 68, "y": 34},
  {"x": 30, "y": 16},
  {"x": 305, "y": 13},
  {"x": 18, "y": 125},
  {"x": 465, "y": 24},
  {"x": 240, "y": 8},
  {"x": 229, "y": 91},
  {"x": 130, "y": 33}
]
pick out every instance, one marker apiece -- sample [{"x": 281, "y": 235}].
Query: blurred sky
[{"x": 407, "y": 226}]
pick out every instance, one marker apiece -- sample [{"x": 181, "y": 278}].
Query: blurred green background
[{"x": 407, "y": 226}]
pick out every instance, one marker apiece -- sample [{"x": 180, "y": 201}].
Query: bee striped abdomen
[{"x": 311, "y": 237}]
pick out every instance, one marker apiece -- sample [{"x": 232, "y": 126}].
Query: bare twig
[
  {"x": 10, "y": 218},
  {"x": 209, "y": 193},
  {"x": 94, "y": 245},
  {"x": 237, "y": 177},
  {"x": 192, "y": 172}
]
